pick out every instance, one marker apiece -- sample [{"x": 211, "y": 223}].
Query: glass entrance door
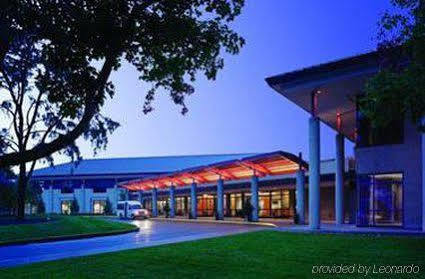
[{"x": 380, "y": 200}]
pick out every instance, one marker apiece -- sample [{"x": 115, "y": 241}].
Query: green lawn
[
  {"x": 265, "y": 254},
  {"x": 60, "y": 226}
]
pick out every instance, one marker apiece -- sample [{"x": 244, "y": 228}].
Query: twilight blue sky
[{"x": 238, "y": 112}]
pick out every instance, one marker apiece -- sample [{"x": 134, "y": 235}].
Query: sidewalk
[
  {"x": 287, "y": 225},
  {"x": 211, "y": 220}
]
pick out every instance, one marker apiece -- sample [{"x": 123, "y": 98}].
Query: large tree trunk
[{"x": 22, "y": 185}]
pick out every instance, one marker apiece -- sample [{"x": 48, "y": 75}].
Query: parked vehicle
[{"x": 131, "y": 210}]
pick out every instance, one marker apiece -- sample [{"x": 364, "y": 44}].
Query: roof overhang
[
  {"x": 338, "y": 83},
  {"x": 267, "y": 164}
]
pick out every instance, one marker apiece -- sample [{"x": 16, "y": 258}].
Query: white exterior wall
[
  {"x": 53, "y": 198},
  {"x": 112, "y": 195}
]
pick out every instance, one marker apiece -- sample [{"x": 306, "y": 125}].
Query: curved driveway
[{"x": 151, "y": 233}]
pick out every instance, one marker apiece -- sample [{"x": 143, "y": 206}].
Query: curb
[
  {"x": 65, "y": 237},
  {"x": 224, "y": 222}
]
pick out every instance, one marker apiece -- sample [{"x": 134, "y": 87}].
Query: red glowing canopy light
[{"x": 267, "y": 164}]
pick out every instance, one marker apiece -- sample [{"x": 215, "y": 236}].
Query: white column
[
  {"x": 116, "y": 198},
  {"x": 339, "y": 180},
  {"x": 141, "y": 197},
  {"x": 300, "y": 184},
  {"x": 193, "y": 201},
  {"x": 254, "y": 198},
  {"x": 220, "y": 196},
  {"x": 83, "y": 194},
  {"x": 314, "y": 173},
  {"x": 172, "y": 201},
  {"x": 154, "y": 202}
]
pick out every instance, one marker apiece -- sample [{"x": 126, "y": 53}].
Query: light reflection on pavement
[{"x": 151, "y": 233}]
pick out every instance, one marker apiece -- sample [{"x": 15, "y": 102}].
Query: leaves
[
  {"x": 399, "y": 88},
  {"x": 56, "y": 58}
]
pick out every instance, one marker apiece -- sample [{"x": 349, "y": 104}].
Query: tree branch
[
  {"x": 34, "y": 117},
  {"x": 90, "y": 109}
]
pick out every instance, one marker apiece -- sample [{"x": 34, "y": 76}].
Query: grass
[
  {"x": 264, "y": 254},
  {"x": 60, "y": 226}
]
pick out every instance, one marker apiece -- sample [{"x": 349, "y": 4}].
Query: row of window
[
  {"x": 98, "y": 206},
  {"x": 271, "y": 204}
]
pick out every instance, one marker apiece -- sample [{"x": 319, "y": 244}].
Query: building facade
[
  {"x": 91, "y": 188},
  {"x": 390, "y": 161},
  {"x": 93, "y": 182},
  {"x": 383, "y": 186}
]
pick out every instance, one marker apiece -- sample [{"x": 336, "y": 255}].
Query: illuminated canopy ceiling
[
  {"x": 268, "y": 164},
  {"x": 338, "y": 84}
]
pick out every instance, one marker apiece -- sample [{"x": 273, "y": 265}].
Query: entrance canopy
[
  {"x": 275, "y": 163},
  {"x": 336, "y": 84}
]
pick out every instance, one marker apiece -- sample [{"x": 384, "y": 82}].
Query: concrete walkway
[
  {"x": 151, "y": 233},
  {"x": 349, "y": 229}
]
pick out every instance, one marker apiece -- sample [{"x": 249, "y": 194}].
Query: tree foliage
[
  {"x": 75, "y": 208},
  {"x": 56, "y": 58},
  {"x": 399, "y": 87},
  {"x": 7, "y": 192},
  {"x": 41, "y": 208},
  {"x": 71, "y": 48},
  {"x": 108, "y": 207}
]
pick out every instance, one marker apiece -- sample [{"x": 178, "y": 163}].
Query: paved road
[{"x": 151, "y": 233}]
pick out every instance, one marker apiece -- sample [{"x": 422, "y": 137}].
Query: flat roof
[
  {"x": 339, "y": 82},
  {"x": 266, "y": 164}
]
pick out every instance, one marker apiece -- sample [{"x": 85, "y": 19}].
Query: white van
[{"x": 132, "y": 210}]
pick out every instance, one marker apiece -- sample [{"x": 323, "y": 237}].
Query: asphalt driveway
[{"x": 151, "y": 233}]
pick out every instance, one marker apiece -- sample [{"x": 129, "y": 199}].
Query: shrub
[
  {"x": 75, "y": 209},
  {"x": 108, "y": 207},
  {"x": 41, "y": 209}
]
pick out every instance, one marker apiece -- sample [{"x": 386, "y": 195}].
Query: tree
[
  {"x": 56, "y": 58},
  {"x": 108, "y": 207},
  {"x": 41, "y": 208},
  {"x": 33, "y": 194},
  {"x": 75, "y": 209},
  {"x": 7, "y": 191},
  {"x": 399, "y": 87}
]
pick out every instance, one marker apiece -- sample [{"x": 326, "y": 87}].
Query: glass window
[
  {"x": 66, "y": 207},
  {"x": 181, "y": 205},
  {"x": 206, "y": 205},
  {"x": 135, "y": 206},
  {"x": 99, "y": 206},
  {"x": 264, "y": 204},
  {"x": 380, "y": 199},
  {"x": 236, "y": 205}
]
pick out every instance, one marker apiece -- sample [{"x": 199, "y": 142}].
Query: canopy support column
[
  {"x": 254, "y": 198},
  {"x": 141, "y": 197},
  {"x": 154, "y": 202},
  {"x": 193, "y": 202},
  {"x": 220, "y": 197},
  {"x": 314, "y": 173},
  {"x": 339, "y": 180},
  {"x": 172, "y": 201}
]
